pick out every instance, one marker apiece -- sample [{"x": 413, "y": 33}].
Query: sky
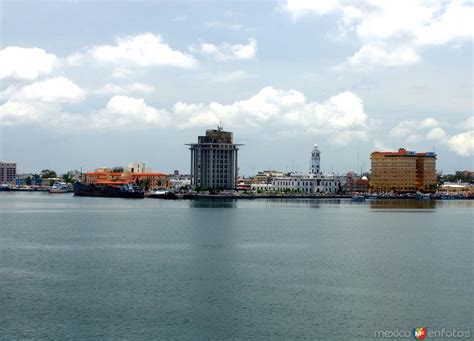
[{"x": 85, "y": 84}]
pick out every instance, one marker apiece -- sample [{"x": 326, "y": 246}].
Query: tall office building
[
  {"x": 214, "y": 160},
  {"x": 403, "y": 171},
  {"x": 7, "y": 172}
]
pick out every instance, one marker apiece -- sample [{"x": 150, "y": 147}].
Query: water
[{"x": 92, "y": 268}]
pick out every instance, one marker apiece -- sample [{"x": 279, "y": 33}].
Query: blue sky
[{"x": 89, "y": 84}]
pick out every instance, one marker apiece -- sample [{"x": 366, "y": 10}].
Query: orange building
[
  {"x": 403, "y": 171},
  {"x": 149, "y": 180}
]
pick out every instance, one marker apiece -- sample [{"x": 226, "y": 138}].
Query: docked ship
[{"x": 109, "y": 191}]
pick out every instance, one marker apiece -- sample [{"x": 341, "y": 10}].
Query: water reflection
[
  {"x": 213, "y": 203},
  {"x": 403, "y": 204}
]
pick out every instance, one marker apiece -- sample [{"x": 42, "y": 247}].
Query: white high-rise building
[{"x": 315, "y": 160}]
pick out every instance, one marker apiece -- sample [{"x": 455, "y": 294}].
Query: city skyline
[{"x": 88, "y": 84}]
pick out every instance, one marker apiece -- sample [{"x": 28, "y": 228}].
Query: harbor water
[{"x": 92, "y": 268}]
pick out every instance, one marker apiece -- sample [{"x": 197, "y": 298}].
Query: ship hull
[{"x": 88, "y": 190}]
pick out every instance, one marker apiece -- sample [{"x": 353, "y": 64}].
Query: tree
[
  {"x": 68, "y": 177},
  {"x": 47, "y": 173}
]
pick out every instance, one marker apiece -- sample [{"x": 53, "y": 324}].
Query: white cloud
[
  {"x": 341, "y": 117},
  {"x": 381, "y": 25},
  {"x": 463, "y": 143},
  {"x": 142, "y": 50},
  {"x": 429, "y": 129},
  {"x": 13, "y": 113},
  {"x": 58, "y": 89},
  {"x": 429, "y": 122},
  {"x": 227, "y": 51},
  {"x": 414, "y": 131},
  {"x": 126, "y": 89},
  {"x": 26, "y": 63},
  {"x": 128, "y": 112},
  {"x": 372, "y": 54},
  {"x": 436, "y": 134}
]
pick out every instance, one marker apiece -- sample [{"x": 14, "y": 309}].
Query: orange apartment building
[
  {"x": 105, "y": 177},
  {"x": 403, "y": 171}
]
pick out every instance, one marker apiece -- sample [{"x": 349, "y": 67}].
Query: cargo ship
[{"x": 108, "y": 191}]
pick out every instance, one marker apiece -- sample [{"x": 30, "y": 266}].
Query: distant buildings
[
  {"x": 314, "y": 182},
  {"x": 137, "y": 167},
  {"x": 7, "y": 172},
  {"x": 135, "y": 174},
  {"x": 403, "y": 171},
  {"x": 214, "y": 160}
]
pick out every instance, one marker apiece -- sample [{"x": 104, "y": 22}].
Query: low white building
[
  {"x": 314, "y": 182},
  {"x": 298, "y": 183}
]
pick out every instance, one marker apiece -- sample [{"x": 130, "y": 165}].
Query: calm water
[{"x": 114, "y": 268}]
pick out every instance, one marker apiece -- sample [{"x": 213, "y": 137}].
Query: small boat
[
  {"x": 163, "y": 195},
  {"x": 358, "y": 198},
  {"x": 108, "y": 191},
  {"x": 423, "y": 196},
  {"x": 60, "y": 187},
  {"x": 5, "y": 188}
]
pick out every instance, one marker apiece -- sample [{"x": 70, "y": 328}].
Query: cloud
[
  {"x": 143, "y": 50},
  {"x": 393, "y": 33},
  {"x": 39, "y": 113},
  {"x": 341, "y": 118},
  {"x": 371, "y": 54},
  {"x": 126, "y": 89},
  {"x": 58, "y": 89},
  {"x": 128, "y": 112},
  {"x": 436, "y": 134},
  {"x": 429, "y": 129},
  {"x": 26, "y": 63},
  {"x": 14, "y": 113},
  {"x": 227, "y": 51},
  {"x": 463, "y": 143}
]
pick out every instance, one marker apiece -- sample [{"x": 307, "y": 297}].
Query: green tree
[
  {"x": 68, "y": 177},
  {"x": 47, "y": 173}
]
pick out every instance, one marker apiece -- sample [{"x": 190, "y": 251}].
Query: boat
[
  {"x": 358, "y": 198},
  {"x": 163, "y": 195},
  {"x": 60, "y": 187},
  {"x": 5, "y": 188},
  {"x": 108, "y": 191}
]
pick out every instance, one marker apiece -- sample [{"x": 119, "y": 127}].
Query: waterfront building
[
  {"x": 313, "y": 182},
  {"x": 106, "y": 177},
  {"x": 266, "y": 176},
  {"x": 7, "y": 172},
  {"x": 214, "y": 160},
  {"x": 356, "y": 183},
  {"x": 298, "y": 183},
  {"x": 28, "y": 180},
  {"x": 403, "y": 171},
  {"x": 137, "y": 167}
]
